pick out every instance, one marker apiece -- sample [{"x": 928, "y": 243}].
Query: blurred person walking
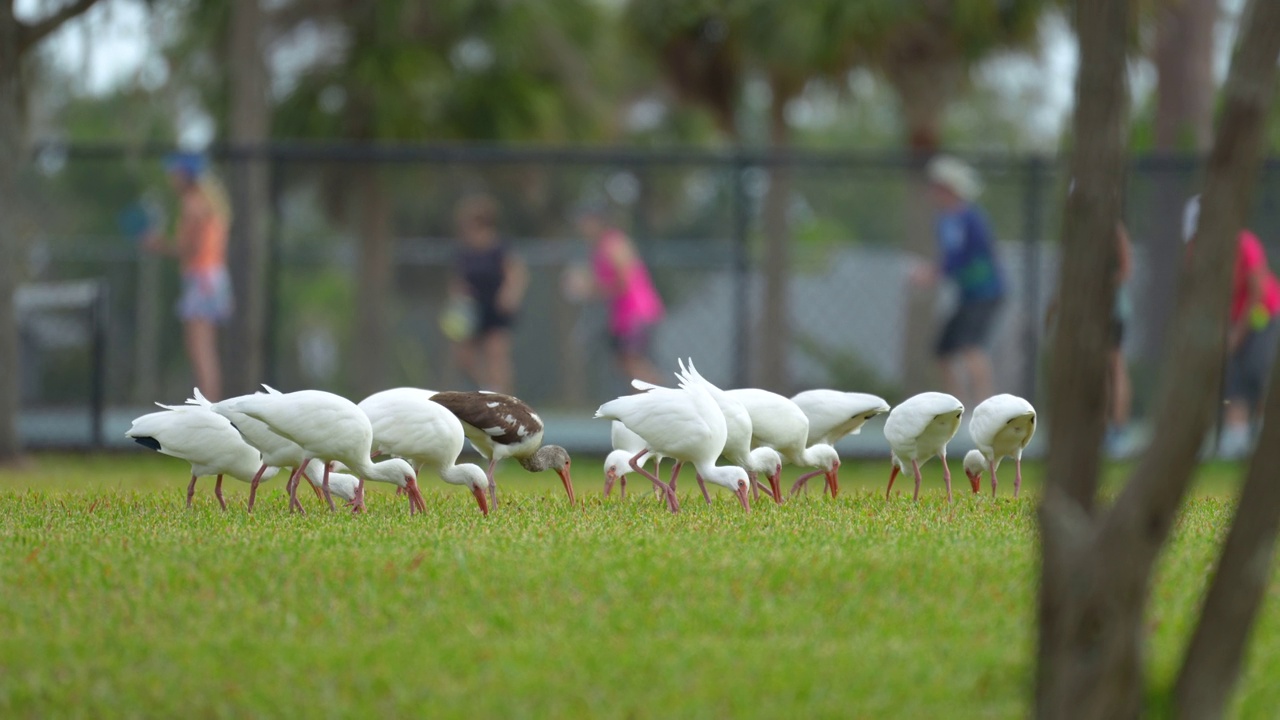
[
  {"x": 619, "y": 276},
  {"x": 966, "y": 246},
  {"x": 1252, "y": 332},
  {"x": 485, "y": 294},
  {"x": 1120, "y": 396},
  {"x": 200, "y": 244}
]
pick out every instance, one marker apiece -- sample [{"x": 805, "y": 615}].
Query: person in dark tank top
[{"x": 491, "y": 281}]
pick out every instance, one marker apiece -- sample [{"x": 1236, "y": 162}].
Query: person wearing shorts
[
  {"x": 201, "y": 248},
  {"x": 493, "y": 280},
  {"x": 619, "y": 275},
  {"x": 1251, "y": 336},
  {"x": 966, "y": 247}
]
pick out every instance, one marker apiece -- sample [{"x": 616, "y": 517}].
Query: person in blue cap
[
  {"x": 200, "y": 245},
  {"x": 966, "y": 246}
]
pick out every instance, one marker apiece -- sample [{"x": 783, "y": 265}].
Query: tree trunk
[
  {"x": 1183, "y": 123},
  {"x": 775, "y": 317},
  {"x": 923, "y": 78},
  {"x": 1096, "y": 574},
  {"x": 375, "y": 281},
  {"x": 11, "y": 255},
  {"x": 1212, "y": 663},
  {"x": 1089, "y": 661},
  {"x": 248, "y": 123}
]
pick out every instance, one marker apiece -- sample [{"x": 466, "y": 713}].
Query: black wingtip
[{"x": 148, "y": 442}]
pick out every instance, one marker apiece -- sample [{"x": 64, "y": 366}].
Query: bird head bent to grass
[{"x": 974, "y": 464}]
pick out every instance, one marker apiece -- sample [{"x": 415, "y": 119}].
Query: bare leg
[
  {"x": 493, "y": 485},
  {"x": 1121, "y": 390},
  {"x": 464, "y": 357},
  {"x": 635, "y": 365},
  {"x": 1017, "y": 475},
  {"x": 755, "y": 486},
  {"x": 950, "y": 383},
  {"x": 325, "y": 486},
  {"x": 497, "y": 360},
  {"x": 705, "y": 496},
  {"x": 915, "y": 466},
  {"x": 892, "y": 476},
  {"x": 622, "y": 487},
  {"x": 217, "y": 492},
  {"x": 292, "y": 485},
  {"x": 191, "y": 490},
  {"x": 675, "y": 473},
  {"x": 253, "y": 486},
  {"x": 992, "y": 465},
  {"x": 672, "y": 503},
  {"x": 201, "y": 339},
  {"x": 979, "y": 366},
  {"x": 946, "y": 472}
]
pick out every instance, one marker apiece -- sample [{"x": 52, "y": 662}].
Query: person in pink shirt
[
  {"x": 619, "y": 276},
  {"x": 1251, "y": 335}
]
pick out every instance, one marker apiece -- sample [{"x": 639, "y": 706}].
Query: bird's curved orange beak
[
  {"x": 610, "y": 477},
  {"x": 744, "y": 496},
  {"x": 775, "y": 483},
  {"x": 481, "y": 499},
  {"x": 416, "y": 503},
  {"x": 833, "y": 479},
  {"x": 568, "y": 482},
  {"x": 975, "y": 481}
]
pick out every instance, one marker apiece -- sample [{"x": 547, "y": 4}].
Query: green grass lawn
[{"x": 118, "y": 601}]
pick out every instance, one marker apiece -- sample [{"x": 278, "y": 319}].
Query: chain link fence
[{"x": 697, "y": 218}]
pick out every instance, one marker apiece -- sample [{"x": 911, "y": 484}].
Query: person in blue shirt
[{"x": 967, "y": 256}]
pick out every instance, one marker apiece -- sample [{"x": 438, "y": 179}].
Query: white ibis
[
  {"x": 1001, "y": 426},
  {"x": 684, "y": 424},
  {"x": 202, "y": 438},
  {"x": 329, "y": 428},
  {"x": 340, "y": 484},
  {"x": 834, "y": 414},
  {"x": 919, "y": 428},
  {"x": 408, "y": 424},
  {"x": 738, "y": 433},
  {"x": 779, "y": 423},
  {"x": 501, "y": 426},
  {"x": 277, "y": 451},
  {"x": 626, "y": 445}
]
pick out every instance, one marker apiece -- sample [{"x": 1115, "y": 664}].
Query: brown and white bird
[
  {"x": 501, "y": 426},
  {"x": 1001, "y": 426}
]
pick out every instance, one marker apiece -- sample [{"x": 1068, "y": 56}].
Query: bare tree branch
[
  {"x": 34, "y": 33},
  {"x": 1211, "y": 665},
  {"x": 1144, "y": 512}
]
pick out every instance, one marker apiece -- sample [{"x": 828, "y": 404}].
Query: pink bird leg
[
  {"x": 325, "y": 484},
  {"x": 703, "y": 486},
  {"x": 191, "y": 490},
  {"x": 672, "y": 503},
  {"x": 253, "y": 486},
  {"x": 946, "y": 473},
  {"x": 915, "y": 466},
  {"x": 217, "y": 492},
  {"x": 1017, "y": 475},
  {"x": 892, "y": 475},
  {"x": 992, "y": 465}
]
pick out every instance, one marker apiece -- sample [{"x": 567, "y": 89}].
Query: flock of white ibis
[{"x": 390, "y": 436}]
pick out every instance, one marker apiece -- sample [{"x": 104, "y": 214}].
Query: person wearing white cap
[
  {"x": 1251, "y": 336},
  {"x": 966, "y": 245}
]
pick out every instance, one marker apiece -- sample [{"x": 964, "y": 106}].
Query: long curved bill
[
  {"x": 833, "y": 481},
  {"x": 775, "y": 483},
  {"x": 744, "y": 497},
  {"x": 975, "y": 482},
  {"x": 481, "y": 499},
  {"x": 416, "y": 503},
  {"x": 568, "y": 483},
  {"x": 609, "y": 479}
]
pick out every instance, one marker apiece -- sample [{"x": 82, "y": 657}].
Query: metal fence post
[
  {"x": 98, "y": 380},
  {"x": 271, "y": 276},
  {"x": 741, "y": 269},
  {"x": 1033, "y": 235}
]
